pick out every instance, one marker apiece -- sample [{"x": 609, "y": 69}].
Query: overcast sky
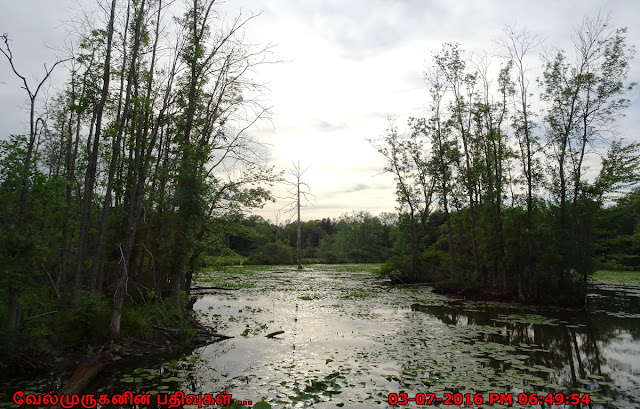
[{"x": 349, "y": 65}]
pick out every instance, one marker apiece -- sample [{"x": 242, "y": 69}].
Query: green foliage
[
  {"x": 91, "y": 319},
  {"x": 148, "y": 176},
  {"x": 141, "y": 321},
  {"x": 520, "y": 230},
  {"x": 274, "y": 253},
  {"x": 186, "y": 172},
  {"x": 617, "y": 234},
  {"x": 356, "y": 238},
  {"x": 231, "y": 259},
  {"x": 40, "y": 320},
  {"x": 395, "y": 267},
  {"x": 138, "y": 322},
  {"x": 360, "y": 238}
]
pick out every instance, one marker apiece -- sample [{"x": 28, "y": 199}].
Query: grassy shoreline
[{"x": 618, "y": 277}]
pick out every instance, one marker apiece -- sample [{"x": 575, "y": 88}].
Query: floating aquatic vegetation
[{"x": 348, "y": 342}]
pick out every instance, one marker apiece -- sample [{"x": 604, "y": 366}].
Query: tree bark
[
  {"x": 299, "y": 229},
  {"x": 121, "y": 117},
  {"x": 136, "y": 199},
  {"x": 84, "y": 373},
  {"x": 92, "y": 165}
]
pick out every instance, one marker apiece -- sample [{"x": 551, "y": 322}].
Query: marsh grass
[
  {"x": 620, "y": 277},
  {"x": 350, "y": 268},
  {"x": 249, "y": 276}
]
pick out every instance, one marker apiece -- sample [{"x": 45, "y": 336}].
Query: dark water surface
[{"x": 350, "y": 341}]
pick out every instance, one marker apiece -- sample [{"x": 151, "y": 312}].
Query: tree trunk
[
  {"x": 299, "y": 240},
  {"x": 84, "y": 373},
  {"x": 136, "y": 193},
  {"x": 121, "y": 118},
  {"x": 92, "y": 165}
]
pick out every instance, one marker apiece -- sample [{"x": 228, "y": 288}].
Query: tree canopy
[{"x": 493, "y": 191}]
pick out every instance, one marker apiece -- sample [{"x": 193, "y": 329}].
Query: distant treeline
[
  {"x": 360, "y": 237},
  {"x": 352, "y": 238}
]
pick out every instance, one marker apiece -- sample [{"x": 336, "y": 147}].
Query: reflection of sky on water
[
  {"x": 318, "y": 339},
  {"x": 369, "y": 341},
  {"x": 579, "y": 346},
  {"x": 622, "y": 357}
]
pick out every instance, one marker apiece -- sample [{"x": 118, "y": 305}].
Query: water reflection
[{"x": 597, "y": 349}]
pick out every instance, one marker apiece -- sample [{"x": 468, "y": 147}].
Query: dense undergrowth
[{"x": 58, "y": 332}]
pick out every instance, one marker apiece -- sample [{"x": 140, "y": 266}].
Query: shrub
[
  {"x": 91, "y": 319},
  {"x": 225, "y": 260},
  {"x": 274, "y": 253}
]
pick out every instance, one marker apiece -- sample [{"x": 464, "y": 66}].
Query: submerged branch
[{"x": 273, "y": 334}]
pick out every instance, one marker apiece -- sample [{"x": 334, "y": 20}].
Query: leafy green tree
[
  {"x": 275, "y": 253},
  {"x": 492, "y": 141},
  {"x": 410, "y": 165},
  {"x": 461, "y": 84},
  {"x": 481, "y": 144},
  {"x": 360, "y": 238},
  {"x": 210, "y": 92},
  {"x": 617, "y": 234},
  {"x": 444, "y": 150},
  {"x": 517, "y": 44},
  {"x": 148, "y": 146},
  {"x": 26, "y": 259},
  {"x": 93, "y": 145},
  {"x": 584, "y": 95}
]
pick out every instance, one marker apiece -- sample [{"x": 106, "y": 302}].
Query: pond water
[{"x": 350, "y": 341}]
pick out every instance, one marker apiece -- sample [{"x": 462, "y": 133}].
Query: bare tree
[
  {"x": 34, "y": 122},
  {"x": 299, "y": 190}
]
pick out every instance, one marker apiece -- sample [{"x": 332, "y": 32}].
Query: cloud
[
  {"x": 348, "y": 65},
  {"x": 326, "y": 126},
  {"x": 357, "y": 188}
]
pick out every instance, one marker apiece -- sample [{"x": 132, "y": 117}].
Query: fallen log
[
  {"x": 86, "y": 371},
  {"x": 221, "y": 336},
  {"x": 91, "y": 366},
  {"x": 201, "y": 330},
  {"x": 273, "y": 334}
]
